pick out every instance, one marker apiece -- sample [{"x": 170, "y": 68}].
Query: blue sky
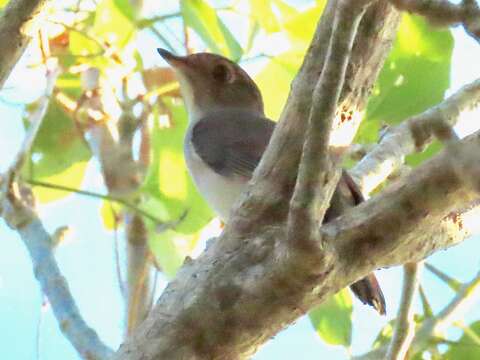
[{"x": 87, "y": 259}]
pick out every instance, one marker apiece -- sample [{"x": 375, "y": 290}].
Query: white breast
[{"x": 220, "y": 192}]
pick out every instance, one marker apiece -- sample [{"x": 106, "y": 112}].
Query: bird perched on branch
[{"x": 227, "y": 136}]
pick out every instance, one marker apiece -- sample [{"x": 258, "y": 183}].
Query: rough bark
[
  {"x": 17, "y": 24},
  {"x": 247, "y": 285}
]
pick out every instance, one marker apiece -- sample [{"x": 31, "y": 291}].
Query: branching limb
[
  {"x": 18, "y": 24},
  {"x": 404, "y": 323},
  {"x": 444, "y": 182},
  {"x": 466, "y": 297},
  {"x": 446, "y": 13},
  {"x": 318, "y": 175},
  {"x": 413, "y": 135},
  {"x": 17, "y": 205},
  {"x": 230, "y": 281}
]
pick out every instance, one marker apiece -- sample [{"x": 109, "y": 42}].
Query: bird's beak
[{"x": 174, "y": 60}]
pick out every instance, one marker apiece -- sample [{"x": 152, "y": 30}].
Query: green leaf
[
  {"x": 262, "y": 12},
  {"x": 109, "y": 212},
  {"x": 468, "y": 346},
  {"x": 126, "y": 8},
  {"x": 81, "y": 45},
  {"x": 59, "y": 154},
  {"x": 385, "y": 334},
  {"x": 70, "y": 84},
  {"x": 168, "y": 181},
  {"x": 300, "y": 28},
  {"x": 113, "y": 24},
  {"x": 170, "y": 249},
  {"x": 274, "y": 81},
  {"x": 332, "y": 320},
  {"x": 415, "y": 76},
  {"x": 203, "y": 19}
]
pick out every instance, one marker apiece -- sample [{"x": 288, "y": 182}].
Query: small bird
[{"x": 227, "y": 136}]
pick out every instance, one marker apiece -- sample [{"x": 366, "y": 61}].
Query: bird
[{"x": 227, "y": 135}]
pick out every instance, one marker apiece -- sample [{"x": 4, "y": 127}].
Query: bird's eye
[{"x": 221, "y": 73}]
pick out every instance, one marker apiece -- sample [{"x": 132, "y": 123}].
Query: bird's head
[{"x": 210, "y": 82}]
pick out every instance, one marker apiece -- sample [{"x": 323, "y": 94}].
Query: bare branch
[
  {"x": 463, "y": 300},
  {"x": 445, "y": 13},
  {"x": 454, "y": 284},
  {"x": 83, "y": 338},
  {"x": 17, "y": 206},
  {"x": 18, "y": 24},
  {"x": 404, "y": 323},
  {"x": 412, "y": 135},
  {"x": 138, "y": 267},
  {"x": 418, "y": 201}
]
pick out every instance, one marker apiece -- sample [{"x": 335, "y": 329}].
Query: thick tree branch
[
  {"x": 216, "y": 305},
  {"x": 404, "y": 323},
  {"x": 17, "y": 25},
  {"x": 317, "y": 174},
  {"x": 279, "y": 166},
  {"x": 418, "y": 201},
  {"x": 412, "y": 135}
]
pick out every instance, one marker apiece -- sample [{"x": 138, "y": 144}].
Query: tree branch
[
  {"x": 404, "y": 323},
  {"x": 317, "y": 174},
  {"x": 216, "y": 304},
  {"x": 412, "y": 135},
  {"x": 17, "y": 25},
  {"x": 445, "y": 13},
  {"x": 463, "y": 300},
  {"x": 215, "y": 307},
  {"x": 83, "y": 338},
  {"x": 138, "y": 271},
  {"x": 17, "y": 208}
]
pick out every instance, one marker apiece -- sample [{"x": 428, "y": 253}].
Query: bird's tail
[{"x": 369, "y": 292}]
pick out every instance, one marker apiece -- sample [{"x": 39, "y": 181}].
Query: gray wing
[{"x": 232, "y": 142}]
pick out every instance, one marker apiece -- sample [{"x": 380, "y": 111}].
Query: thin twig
[
  {"x": 116, "y": 252},
  {"x": 463, "y": 300},
  {"x": 427, "y": 308},
  {"x": 404, "y": 323},
  {"x": 454, "y": 284},
  {"x": 99, "y": 196}
]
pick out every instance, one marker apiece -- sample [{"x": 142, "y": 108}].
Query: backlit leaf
[
  {"x": 112, "y": 24},
  {"x": 203, "y": 19},
  {"x": 467, "y": 347},
  {"x": 332, "y": 320},
  {"x": 168, "y": 181},
  {"x": 414, "y": 77},
  {"x": 274, "y": 81},
  {"x": 59, "y": 154}
]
